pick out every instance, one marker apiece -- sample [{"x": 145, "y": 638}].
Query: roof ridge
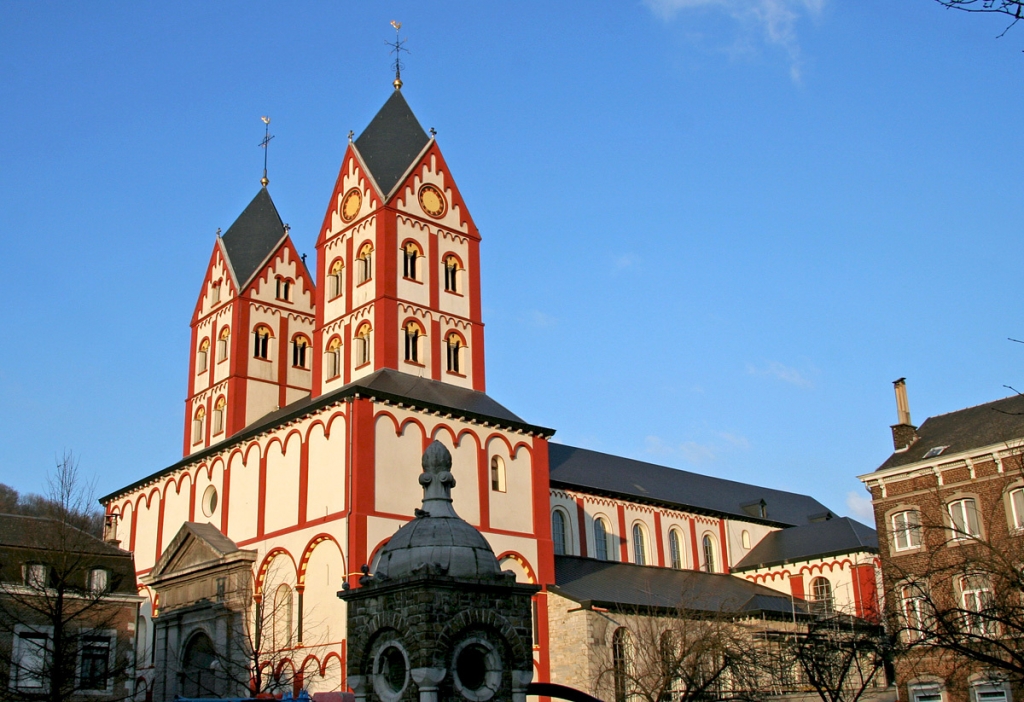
[{"x": 971, "y": 407}]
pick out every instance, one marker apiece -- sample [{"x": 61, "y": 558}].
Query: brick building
[{"x": 948, "y": 500}]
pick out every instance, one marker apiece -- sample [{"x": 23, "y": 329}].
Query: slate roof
[
  {"x": 385, "y": 384},
  {"x": 212, "y": 536},
  {"x": 253, "y": 237},
  {"x": 601, "y": 472},
  {"x": 834, "y": 537},
  {"x": 615, "y": 585},
  {"x": 391, "y": 142},
  {"x": 22, "y": 531},
  {"x": 996, "y": 422}
]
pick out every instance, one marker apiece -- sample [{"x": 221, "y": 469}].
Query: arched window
[
  {"x": 454, "y": 344},
  {"x": 451, "y": 273},
  {"x": 363, "y": 345},
  {"x": 821, "y": 596},
  {"x": 333, "y": 358},
  {"x": 335, "y": 279},
  {"x": 199, "y": 668},
  {"x": 675, "y": 548},
  {"x": 621, "y": 654},
  {"x": 199, "y": 426},
  {"x": 222, "y": 344},
  {"x": 284, "y": 288},
  {"x": 497, "y": 474},
  {"x": 710, "y": 554},
  {"x": 218, "y": 415},
  {"x": 413, "y": 332},
  {"x": 282, "y": 617},
  {"x": 559, "y": 532},
  {"x": 745, "y": 539},
  {"x": 300, "y": 351},
  {"x": 601, "y": 539},
  {"x": 201, "y": 357},
  {"x": 261, "y": 337},
  {"x": 364, "y": 263},
  {"x": 215, "y": 293},
  {"x": 639, "y": 544},
  {"x": 411, "y": 254}
]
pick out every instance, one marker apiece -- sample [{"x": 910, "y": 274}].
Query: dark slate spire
[
  {"x": 253, "y": 237},
  {"x": 393, "y": 139}
]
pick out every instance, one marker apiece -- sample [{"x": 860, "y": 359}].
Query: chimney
[
  {"x": 903, "y": 432},
  {"x": 110, "y": 529}
]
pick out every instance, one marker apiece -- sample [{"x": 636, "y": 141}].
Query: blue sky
[{"x": 714, "y": 230}]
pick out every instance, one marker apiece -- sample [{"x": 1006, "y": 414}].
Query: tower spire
[
  {"x": 397, "y": 47},
  {"x": 266, "y": 147}
]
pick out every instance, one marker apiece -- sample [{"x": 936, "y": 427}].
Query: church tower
[
  {"x": 252, "y": 328},
  {"x": 398, "y": 263}
]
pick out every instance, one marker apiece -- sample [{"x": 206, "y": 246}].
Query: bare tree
[
  {"x": 62, "y": 593},
  {"x": 842, "y": 657},
  {"x": 1011, "y": 8}
]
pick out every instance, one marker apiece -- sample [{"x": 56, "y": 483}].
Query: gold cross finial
[
  {"x": 266, "y": 147},
  {"x": 397, "y": 48}
]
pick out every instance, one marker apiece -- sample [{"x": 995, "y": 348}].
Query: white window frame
[
  {"x": 959, "y": 507},
  {"x": 1017, "y": 513},
  {"x": 36, "y": 575},
  {"x": 905, "y": 534},
  {"x": 19, "y": 647},
  {"x": 926, "y": 692},
  {"x": 99, "y": 580},
  {"x": 976, "y": 598}
]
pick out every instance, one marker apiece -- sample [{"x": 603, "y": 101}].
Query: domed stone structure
[{"x": 439, "y": 620}]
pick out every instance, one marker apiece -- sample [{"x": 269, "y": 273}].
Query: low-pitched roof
[
  {"x": 617, "y": 585},
  {"x": 253, "y": 237},
  {"x": 391, "y": 142},
  {"x": 833, "y": 537},
  {"x": 385, "y": 384},
  {"x": 23, "y": 531},
  {"x": 998, "y": 422},
  {"x": 578, "y": 468}
]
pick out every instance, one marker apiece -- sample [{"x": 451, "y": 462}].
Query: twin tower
[{"x": 396, "y": 285}]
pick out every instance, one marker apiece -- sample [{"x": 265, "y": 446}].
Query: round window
[
  {"x": 390, "y": 671},
  {"x": 210, "y": 501},
  {"x": 472, "y": 667},
  {"x": 476, "y": 670}
]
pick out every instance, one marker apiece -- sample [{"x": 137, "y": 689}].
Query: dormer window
[
  {"x": 364, "y": 264},
  {"x": 334, "y": 279},
  {"x": 413, "y": 332},
  {"x": 99, "y": 580},
  {"x": 35, "y": 575},
  {"x": 261, "y": 342},
  {"x": 451, "y": 273},
  {"x": 203, "y": 355}
]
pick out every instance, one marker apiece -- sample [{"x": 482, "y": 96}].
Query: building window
[
  {"x": 198, "y": 426},
  {"x": 497, "y": 474},
  {"x": 334, "y": 280},
  {"x": 745, "y": 539},
  {"x": 453, "y": 342},
  {"x": 963, "y": 515},
  {"x": 621, "y": 653},
  {"x": 218, "y": 415},
  {"x": 209, "y": 500},
  {"x": 413, "y": 332},
  {"x": 1017, "y": 507},
  {"x": 261, "y": 342},
  {"x": 989, "y": 691},
  {"x": 300, "y": 351},
  {"x": 215, "y": 293},
  {"x": 35, "y": 575},
  {"x": 821, "y": 596},
  {"x": 976, "y": 601},
  {"x": 710, "y": 566},
  {"x": 639, "y": 544},
  {"x": 334, "y": 358},
  {"x": 906, "y": 529},
  {"x": 451, "y": 274},
  {"x": 601, "y": 539},
  {"x": 410, "y": 257},
  {"x": 199, "y": 668},
  {"x": 201, "y": 357},
  {"x": 912, "y": 608},
  {"x": 284, "y": 289},
  {"x": 364, "y": 264},
  {"x": 282, "y": 617},
  {"x": 95, "y": 670},
  {"x": 363, "y": 345},
  {"x": 99, "y": 580},
  {"x": 675, "y": 548},
  {"x": 222, "y": 344},
  {"x": 558, "y": 532},
  {"x": 29, "y": 659},
  {"x": 928, "y": 692}
]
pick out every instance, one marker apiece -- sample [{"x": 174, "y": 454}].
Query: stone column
[
  {"x": 427, "y": 681},
  {"x": 358, "y": 685},
  {"x": 520, "y": 679}
]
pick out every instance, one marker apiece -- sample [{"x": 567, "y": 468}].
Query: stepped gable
[
  {"x": 391, "y": 142},
  {"x": 253, "y": 237},
  {"x": 998, "y": 422},
  {"x": 582, "y": 469},
  {"x": 834, "y": 537}
]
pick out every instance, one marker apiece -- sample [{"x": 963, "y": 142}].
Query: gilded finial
[
  {"x": 266, "y": 147},
  {"x": 397, "y": 48}
]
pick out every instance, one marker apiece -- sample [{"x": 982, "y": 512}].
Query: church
[{"x": 313, "y": 391}]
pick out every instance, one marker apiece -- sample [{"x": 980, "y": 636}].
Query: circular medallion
[
  {"x": 350, "y": 204},
  {"x": 432, "y": 201}
]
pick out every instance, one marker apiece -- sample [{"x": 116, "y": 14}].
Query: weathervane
[
  {"x": 266, "y": 147},
  {"x": 397, "y": 48}
]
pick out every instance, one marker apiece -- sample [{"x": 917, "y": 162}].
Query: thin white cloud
[
  {"x": 774, "y": 20},
  {"x": 860, "y": 507},
  {"x": 780, "y": 371},
  {"x": 536, "y": 318},
  {"x": 626, "y": 260},
  {"x": 695, "y": 452}
]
